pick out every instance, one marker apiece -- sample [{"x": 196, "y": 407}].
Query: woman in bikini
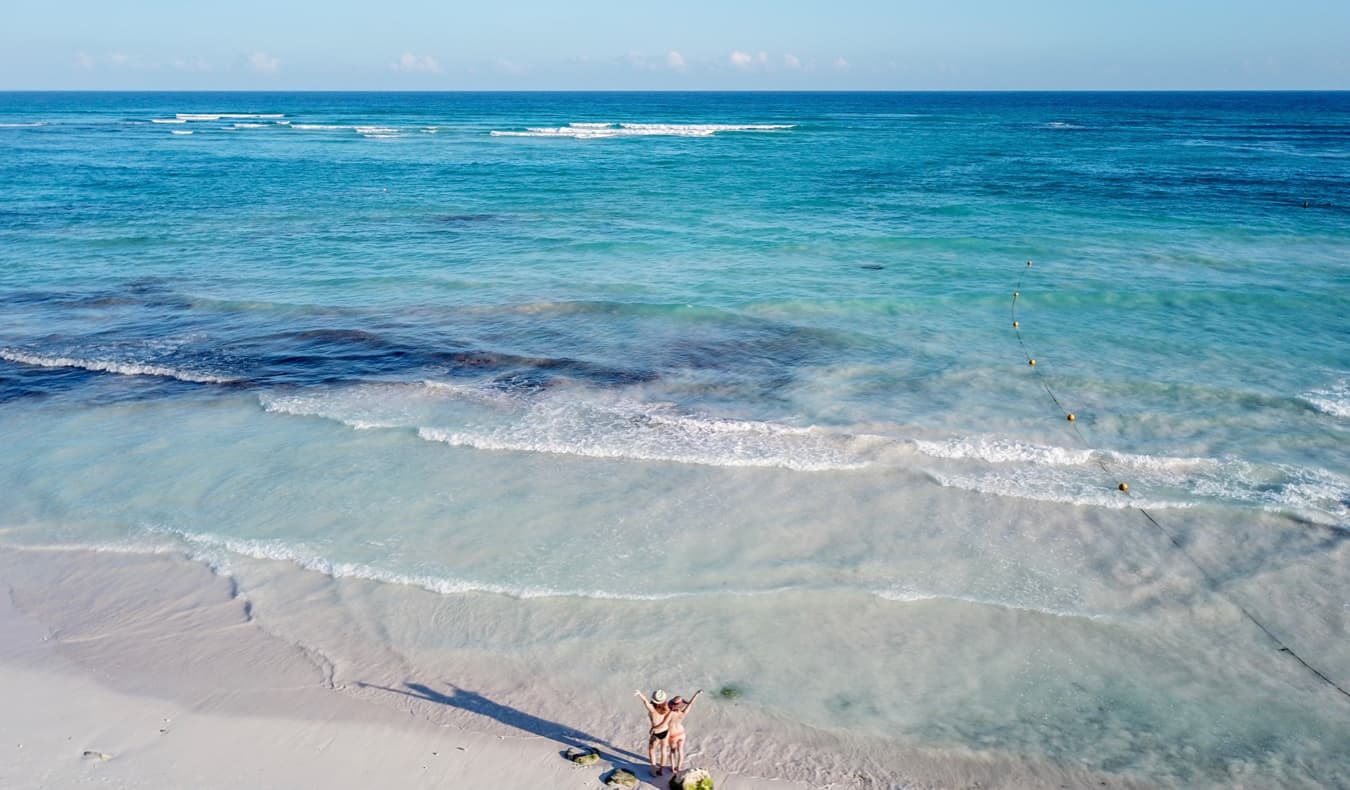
[
  {"x": 679, "y": 708},
  {"x": 656, "y": 736}
]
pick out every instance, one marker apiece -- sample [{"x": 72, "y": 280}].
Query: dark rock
[
  {"x": 582, "y": 756},
  {"x": 692, "y": 779}
]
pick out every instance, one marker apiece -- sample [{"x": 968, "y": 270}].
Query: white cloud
[
  {"x": 122, "y": 60},
  {"x": 505, "y": 66},
  {"x": 840, "y": 64},
  {"x": 740, "y": 60},
  {"x": 84, "y": 61},
  {"x": 191, "y": 65},
  {"x": 790, "y": 61},
  {"x": 763, "y": 57},
  {"x": 264, "y": 63},
  {"x": 675, "y": 60},
  {"x": 411, "y": 63}
]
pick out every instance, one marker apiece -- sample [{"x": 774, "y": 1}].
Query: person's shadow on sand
[{"x": 474, "y": 702}]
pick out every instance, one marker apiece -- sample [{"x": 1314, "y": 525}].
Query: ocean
[{"x": 582, "y": 392}]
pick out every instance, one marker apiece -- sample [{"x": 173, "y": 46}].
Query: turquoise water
[{"x": 756, "y": 348}]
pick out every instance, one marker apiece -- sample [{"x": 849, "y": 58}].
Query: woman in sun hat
[
  {"x": 656, "y": 736},
  {"x": 679, "y": 708}
]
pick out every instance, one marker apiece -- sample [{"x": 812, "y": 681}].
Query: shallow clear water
[{"x": 736, "y": 362}]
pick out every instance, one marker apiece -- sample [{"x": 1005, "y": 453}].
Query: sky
[{"x": 684, "y": 45}]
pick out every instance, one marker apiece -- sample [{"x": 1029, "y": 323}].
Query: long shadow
[{"x": 474, "y": 702}]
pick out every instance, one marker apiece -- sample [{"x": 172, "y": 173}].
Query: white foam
[
  {"x": 998, "y": 450},
  {"x": 248, "y": 126},
  {"x": 22, "y": 125},
  {"x": 1333, "y": 400},
  {"x": 320, "y": 127},
  {"x": 583, "y": 423},
  {"x": 168, "y": 120},
  {"x": 216, "y": 116},
  {"x": 1066, "y": 491},
  {"x": 213, "y": 550},
  {"x": 588, "y": 131},
  {"x": 469, "y": 392},
  {"x": 180, "y": 131},
  {"x": 1319, "y": 495},
  {"x": 908, "y": 595},
  {"x": 377, "y": 132},
  {"x": 618, "y": 428},
  {"x": 578, "y": 423},
  {"x": 112, "y": 366},
  {"x": 1004, "y": 467}
]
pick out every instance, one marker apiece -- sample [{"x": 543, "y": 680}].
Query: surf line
[{"x": 1124, "y": 489}]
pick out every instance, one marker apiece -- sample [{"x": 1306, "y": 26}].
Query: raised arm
[
  {"x": 645, "y": 703},
  {"x": 690, "y": 703}
]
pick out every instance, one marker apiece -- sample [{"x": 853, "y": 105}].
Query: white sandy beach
[
  {"x": 182, "y": 688},
  {"x": 151, "y": 671}
]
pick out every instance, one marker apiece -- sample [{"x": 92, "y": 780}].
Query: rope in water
[{"x": 1124, "y": 488}]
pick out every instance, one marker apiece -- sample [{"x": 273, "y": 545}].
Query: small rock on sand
[
  {"x": 692, "y": 779},
  {"x": 102, "y": 757},
  {"x": 582, "y": 756},
  {"x": 621, "y": 778}
]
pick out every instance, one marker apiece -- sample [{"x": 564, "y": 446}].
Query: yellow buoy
[
  {"x": 1016, "y": 294},
  {"x": 1124, "y": 486},
  {"x": 1031, "y": 362},
  {"x": 1071, "y": 418},
  {"x": 1015, "y": 324}
]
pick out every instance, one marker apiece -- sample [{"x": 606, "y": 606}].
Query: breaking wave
[
  {"x": 124, "y": 368},
  {"x": 589, "y": 427},
  {"x": 589, "y": 131},
  {"x": 214, "y": 550},
  {"x": 216, "y": 116},
  {"x": 1333, "y": 400},
  {"x": 1005, "y": 467}
]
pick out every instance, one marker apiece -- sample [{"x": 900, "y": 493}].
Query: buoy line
[{"x": 1072, "y": 419}]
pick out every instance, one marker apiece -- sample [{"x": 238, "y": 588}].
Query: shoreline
[
  {"x": 104, "y": 650},
  {"x": 87, "y": 703}
]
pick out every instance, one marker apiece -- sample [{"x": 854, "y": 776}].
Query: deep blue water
[{"x": 1192, "y": 249}]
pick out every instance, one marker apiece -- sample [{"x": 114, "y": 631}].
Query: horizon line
[{"x": 674, "y": 90}]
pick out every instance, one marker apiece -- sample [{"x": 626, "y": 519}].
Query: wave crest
[
  {"x": 124, "y": 368},
  {"x": 216, "y": 116},
  {"x": 1005, "y": 467},
  {"x": 591, "y": 426},
  {"x": 214, "y": 550},
  {"x": 1333, "y": 400},
  {"x": 590, "y": 131}
]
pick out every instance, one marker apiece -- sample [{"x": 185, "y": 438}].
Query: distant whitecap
[{"x": 588, "y": 131}]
